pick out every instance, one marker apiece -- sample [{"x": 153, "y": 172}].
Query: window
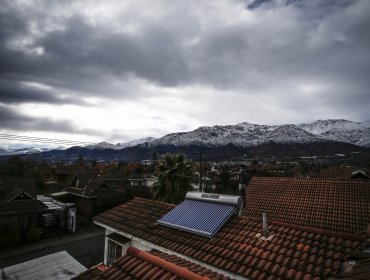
[{"x": 114, "y": 252}]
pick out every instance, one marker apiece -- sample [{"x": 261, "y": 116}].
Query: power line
[{"x": 24, "y": 138}]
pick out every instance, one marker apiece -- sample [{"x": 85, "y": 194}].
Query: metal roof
[{"x": 59, "y": 266}]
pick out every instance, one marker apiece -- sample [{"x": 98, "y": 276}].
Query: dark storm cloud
[
  {"x": 275, "y": 55},
  {"x": 154, "y": 55},
  {"x": 13, "y": 92},
  {"x": 14, "y": 121},
  {"x": 277, "y": 47},
  {"x": 77, "y": 55}
]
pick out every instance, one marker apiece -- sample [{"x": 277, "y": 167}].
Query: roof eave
[{"x": 167, "y": 251}]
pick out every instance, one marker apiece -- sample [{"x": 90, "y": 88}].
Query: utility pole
[{"x": 201, "y": 170}]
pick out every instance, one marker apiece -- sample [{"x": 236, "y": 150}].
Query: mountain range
[
  {"x": 248, "y": 135},
  {"x": 318, "y": 137}
]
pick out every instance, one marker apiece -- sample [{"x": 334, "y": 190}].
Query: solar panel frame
[{"x": 199, "y": 217}]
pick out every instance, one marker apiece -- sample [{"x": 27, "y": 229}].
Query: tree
[
  {"x": 15, "y": 167},
  {"x": 225, "y": 174},
  {"x": 172, "y": 178}
]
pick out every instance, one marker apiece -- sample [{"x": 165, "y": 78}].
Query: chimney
[
  {"x": 265, "y": 235},
  {"x": 264, "y": 224}
]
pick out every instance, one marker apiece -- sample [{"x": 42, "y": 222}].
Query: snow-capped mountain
[
  {"x": 356, "y": 133},
  {"x": 120, "y": 146},
  {"x": 136, "y": 142},
  {"x": 247, "y": 134},
  {"x": 6, "y": 150},
  {"x": 241, "y": 135}
]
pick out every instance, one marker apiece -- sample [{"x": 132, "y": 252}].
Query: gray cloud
[
  {"x": 305, "y": 56},
  {"x": 12, "y": 120},
  {"x": 21, "y": 92}
]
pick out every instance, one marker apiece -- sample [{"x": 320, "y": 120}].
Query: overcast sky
[{"x": 121, "y": 70}]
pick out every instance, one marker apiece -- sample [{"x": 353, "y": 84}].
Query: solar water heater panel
[{"x": 199, "y": 217}]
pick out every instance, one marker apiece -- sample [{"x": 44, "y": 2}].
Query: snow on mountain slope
[
  {"x": 102, "y": 146},
  {"x": 119, "y": 146},
  {"x": 136, "y": 142},
  {"x": 5, "y": 150},
  {"x": 247, "y": 134},
  {"x": 243, "y": 134},
  {"x": 291, "y": 133},
  {"x": 341, "y": 130}
]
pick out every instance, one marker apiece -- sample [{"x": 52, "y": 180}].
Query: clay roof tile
[{"x": 233, "y": 253}]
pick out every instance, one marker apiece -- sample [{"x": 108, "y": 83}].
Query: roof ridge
[
  {"x": 166, "y": 265},
  {"x": 344, "y": 235},
  {"x": 156, "y": 201},
  {"x": 308, "y": 179}
]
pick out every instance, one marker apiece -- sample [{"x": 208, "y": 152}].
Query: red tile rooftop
[
  {"x": 91, "y": 272},
  {"x": 295, "y": 252},
  {"x": 329, "y": 204},
  {"x": 142, "y": 265}
]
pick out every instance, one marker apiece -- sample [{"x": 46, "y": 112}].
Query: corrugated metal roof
[{"x": 58, "y": 266}]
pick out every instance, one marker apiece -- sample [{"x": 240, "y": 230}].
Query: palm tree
[
  {"x": 172, "y": 178},
  {"x": 225, "y": 174}
]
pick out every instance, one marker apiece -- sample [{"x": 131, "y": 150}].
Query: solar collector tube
[
  {"x": 216, "y": 198},
  {"x": 200, "y": 217}
]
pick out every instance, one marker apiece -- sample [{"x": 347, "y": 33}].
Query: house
[
  {"x": 63, "y": 215},
  {"x": 240, "y": 246},
  {"x": 89, "y": 189},
  {"x": 91, "y": 195},
  {"x": 328, "y": 204},
  {"x": 208, "y": 183},
  {"x": 359, "y": 174},
  {"x": 114, "y": 179},
  {"x": 141, "y": 180},
  {"x": 19, "y": 207},
  {"x": 80, "y": 180},
  {"x": 57, "y": 174},
  {"x": 15, "y": 189},
  {"x": 59, "y": 265},
  {"x": 343, "y": 172}
]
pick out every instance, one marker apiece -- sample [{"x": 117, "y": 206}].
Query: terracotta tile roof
[
  {"x": 91, "y": 272},
  {"x": 294, "y": 252},
  {"x": 335, "y": 205},
  {"x": 137, "y": 264}
]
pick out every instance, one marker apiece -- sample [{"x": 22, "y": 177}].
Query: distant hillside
[
  {"x": 319, "y": 138},
  {"x": 227, "y": 152},
  {"x": 249, "y": 135}
]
